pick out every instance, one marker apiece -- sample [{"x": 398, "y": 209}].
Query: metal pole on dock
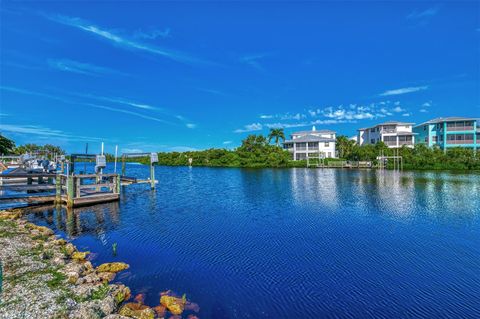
[{"x": 115, "y": 165}]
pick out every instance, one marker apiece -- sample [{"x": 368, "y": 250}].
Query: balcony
[
  {"x": 459, "y": 128},
  {"x": 459, "y": 142},
  {"x": 401, "y": 143},
  {"x": 390, "y": 130}
]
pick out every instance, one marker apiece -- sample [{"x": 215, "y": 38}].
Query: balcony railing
[
  {"x": 388, "y": 130},
  {"x": 390, "y": 143},
  {"x": 459, "y": 141},
  {"x": 301, "y": 148},
  {"x": 405, "y": 143},
  {"x": 460, "y": 128}
]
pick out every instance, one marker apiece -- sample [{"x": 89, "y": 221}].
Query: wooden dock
[{"x": 71, "y": 190}]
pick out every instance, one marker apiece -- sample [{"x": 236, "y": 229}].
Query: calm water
[{"x": 293, "y": 243}]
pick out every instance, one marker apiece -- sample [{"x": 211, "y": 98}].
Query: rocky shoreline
[{"x": 47, "y": 277}]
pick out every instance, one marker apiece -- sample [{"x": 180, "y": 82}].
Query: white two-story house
[
  {"x": 393, "y": 134},
  {"x": 312, "y": 143}
]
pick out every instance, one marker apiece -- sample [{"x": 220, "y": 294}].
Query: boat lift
[{"x": 153, "y": 159}]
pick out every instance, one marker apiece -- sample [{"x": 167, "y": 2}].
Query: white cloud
[
  {"x": 398, "y": 109},
  {"x": 404, "y": 90},
  {"x": 98, "y": 106},
  {"x": 340, "y": 113},
  {"x": 227, "y": 142},
  {"x": 81, "y": 68},
  {"x": 152, "y": 34},
  {"x": 250, "y": 128},
  {"x": 406, "y": 114},
  {"x": 423, "y": 111},
  {"x": 427, "y": 104},
  {"x": 429, "y": 12},
  {"x": 44, "y": 132},
  {"x": 264, "y": 116},
  {"x": 124, "y": 42},
  {"x": 191, "y": 125},
  {"x": 253, "y": 60}
]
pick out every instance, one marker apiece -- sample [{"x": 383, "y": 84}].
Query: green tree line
[{"x": 256, "y": 151}]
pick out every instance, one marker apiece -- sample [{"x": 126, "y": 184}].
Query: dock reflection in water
[{"x": 296, "y": 243}]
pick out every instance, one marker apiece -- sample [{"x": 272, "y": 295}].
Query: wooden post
[
  {"x": 123, "y": 165},
  {"x": 152, "y": 176},
  {"x": 77, "y": 187},
  {"x": 118, "y": 184},
  {"x": 70, "y": 191},
  {"x": 58, "y": 182}
]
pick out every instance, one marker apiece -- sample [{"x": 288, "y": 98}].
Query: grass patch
[
  {"x": 58, "y": 279},
  {"x": 101, "y": 292}
]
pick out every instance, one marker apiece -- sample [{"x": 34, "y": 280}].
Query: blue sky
[{"x": 180, "y": 76}]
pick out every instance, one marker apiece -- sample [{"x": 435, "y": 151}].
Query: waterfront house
[
  {"x": 448, "y": 132},
  {"x": 393, "y": 134},
  {"x": 313, "y": 144}
]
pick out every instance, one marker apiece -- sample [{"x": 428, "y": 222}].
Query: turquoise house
[{"x": 449, "y": 132}]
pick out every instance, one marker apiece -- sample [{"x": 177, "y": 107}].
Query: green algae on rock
[{"x": 112, "y": 267}]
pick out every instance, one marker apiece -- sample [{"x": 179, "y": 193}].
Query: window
[
  {"x": 372, "y": 130},
  {"x": 312, "y": 145},
  {"x": 407, "y": 126},
  {"x": 426, "y": 139},
  {"x": 372, "y": 141},
  {"x": 424, "y": 127},
  {"x": 329, "y": 154},
  {"x": 327, "y": 144},
  {"x": 434, "y": 139}
]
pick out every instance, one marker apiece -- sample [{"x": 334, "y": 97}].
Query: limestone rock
[
  {"x": 61, "y": 242},
  {"x": 112, "y": 267},
  {"x": 173, "y": 304},
  {"x": 106, "y": 276},
  {"x": 69, "y": 248},
  {"x": 9, "y": 215},
  {"x": 120, "y": 293},
  {"x": 80, "y": 255},
  {"x": 137, "y": 311}
]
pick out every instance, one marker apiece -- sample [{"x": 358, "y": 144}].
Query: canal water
[{"x": 292, "y": 243}]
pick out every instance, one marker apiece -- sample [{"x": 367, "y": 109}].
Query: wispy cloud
[
  {"x": 118, "y": 100},
  {"x": 152, "y": 34},
  {"x": 81, "y": 68},
  {"x": 45, "y": 132},
  {"x": 285, "y": 116},
  {"x": 124, "y": 42},
  {"x": 254, "y": 60},
  {"x": 104, "y": 107},
  {"x": 212, "y": 91},
  {"x": 250, "y": 128},
  {"x": 404, "y": 90},
  {"x": 227, "y": 142},
  {"x": 423, "y": 14}
]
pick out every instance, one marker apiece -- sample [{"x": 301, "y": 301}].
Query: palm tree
[{"x": 277, "y": 134}]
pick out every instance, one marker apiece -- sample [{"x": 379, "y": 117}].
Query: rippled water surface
[{"x": 292, "y": 243}]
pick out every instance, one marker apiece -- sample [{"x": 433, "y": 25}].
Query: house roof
[
  {"x": 310, "y": 138},
  {"x": 447, "y": 119},
  {"x": 386, "y": 123},
  {"x": 316, "y": 131}
]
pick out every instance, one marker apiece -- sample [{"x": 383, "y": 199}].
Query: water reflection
[
  {"x": 74, "y": 222},
  {"x": 292, "y": 243}
]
